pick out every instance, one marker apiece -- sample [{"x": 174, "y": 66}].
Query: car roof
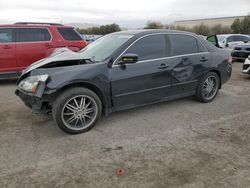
[
  {"x": 150, "y": 31},
  {"x": 33, "y": 24},
  {"x": 228, "y": 35}
]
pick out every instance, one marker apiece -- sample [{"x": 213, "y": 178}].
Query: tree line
[
  {"x": 102, "y": 30},
  {"x": 239, "y": 26}
]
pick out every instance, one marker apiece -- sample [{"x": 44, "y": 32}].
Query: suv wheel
[
  {"x": 208, "y": 87},
  {"x": 77, "y": 110}
]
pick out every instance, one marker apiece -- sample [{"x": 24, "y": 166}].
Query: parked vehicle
[
  {"x": 229, "y": 41},
  {"x": 241, "y": 52},
  {"x": 23, "y": 43},
  {"x": 120, "y": 71},
  {"x": 246, "y": 66}
]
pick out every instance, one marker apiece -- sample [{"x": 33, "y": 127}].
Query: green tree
[
  {"x": 236, "y": 26},
  {"x": 245, "y": 25},
  {"x": 102, "y": 30},
  {"x": 201, "y": 29},
  {"x": 154, "y": 25}
]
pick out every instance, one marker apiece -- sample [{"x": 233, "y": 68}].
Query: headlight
[{"x": 31, "y": 83}]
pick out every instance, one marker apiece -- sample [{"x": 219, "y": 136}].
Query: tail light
[
  {"x": 82, "y": 44},
  {"x": 230, "y": 60}
]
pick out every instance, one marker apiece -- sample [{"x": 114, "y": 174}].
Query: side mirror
[{"x": 128, "y": 59}]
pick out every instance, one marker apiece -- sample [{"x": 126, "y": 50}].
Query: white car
[
  {"x": 231, "y": 40},
  {"x": 246, "y": 66}
]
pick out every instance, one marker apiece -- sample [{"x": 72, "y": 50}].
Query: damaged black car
[{"x": 120, "y": 71}]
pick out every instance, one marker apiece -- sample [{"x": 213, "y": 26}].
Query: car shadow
[{"x": 8, "y": 81}]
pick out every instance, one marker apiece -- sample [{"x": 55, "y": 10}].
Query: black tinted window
[
  {"x": 69, "y": 34},
  {"x": 33, "y": 35},
  {"x": 150, "y": 47},
  {"x": 6, "y": 35},
  {"x": 182, "y": 44}
]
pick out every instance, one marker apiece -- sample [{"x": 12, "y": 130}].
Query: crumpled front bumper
[
  {"x": 37, "y": 104},
  {"x": 29, "y": 100}
]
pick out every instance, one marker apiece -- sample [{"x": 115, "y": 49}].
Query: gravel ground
[{"x": 181, "y": 143}]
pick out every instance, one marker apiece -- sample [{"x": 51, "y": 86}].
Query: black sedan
[{"x": 120, "y": 71}]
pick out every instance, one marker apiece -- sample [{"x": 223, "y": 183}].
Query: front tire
[
  {"x": 208, "y": 87},
  {"x": 77, "y": 110}
]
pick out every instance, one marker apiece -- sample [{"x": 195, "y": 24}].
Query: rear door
[
  {"x": 145, "y": 81},
  {"x": 189, "y": 59},
  {"x": 32, "y": 45},
  {"x": 7, "y": 50}
]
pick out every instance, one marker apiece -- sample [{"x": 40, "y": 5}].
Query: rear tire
[
  {"x": 208, "y": 87},
  {"x": 77, "y": 110}
]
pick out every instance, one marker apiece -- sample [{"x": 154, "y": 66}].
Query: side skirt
[{"x": 169, "y": 98}]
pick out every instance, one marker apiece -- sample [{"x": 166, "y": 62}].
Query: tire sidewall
[
  {"x": 64, "y": 98},
  {"x": 199, "y": 95}
]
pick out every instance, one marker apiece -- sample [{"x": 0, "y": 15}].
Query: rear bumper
[{"x": 240, "y": 54}]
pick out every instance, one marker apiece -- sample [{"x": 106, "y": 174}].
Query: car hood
[{"x": 59, "y": 54}]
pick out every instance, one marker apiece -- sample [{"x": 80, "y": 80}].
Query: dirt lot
[{"x": 181, "y": 143}]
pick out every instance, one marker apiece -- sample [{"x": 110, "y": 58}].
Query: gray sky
[{"x": 127, "y": 13}]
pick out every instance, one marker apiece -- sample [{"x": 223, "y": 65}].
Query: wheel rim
[
  {"x": 79, "y": 112},
  {"x": 210, "y": 87}
]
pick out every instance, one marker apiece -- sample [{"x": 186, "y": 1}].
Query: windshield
[{"x": 103, "y": 48}]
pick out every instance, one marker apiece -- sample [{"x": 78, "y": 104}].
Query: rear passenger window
[
  {"x": 33, "y": 35},
  {"x": 6, "y": 35},
  {"x": 150, "y": 47},
  {"x": 183, "y": 44},
  {"x": 69, "y": 34}
]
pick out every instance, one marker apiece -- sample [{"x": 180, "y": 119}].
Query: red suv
[{"x": 23, "y": 43}]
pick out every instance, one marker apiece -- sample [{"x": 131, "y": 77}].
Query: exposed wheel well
[{"x": 88, "y": 86}]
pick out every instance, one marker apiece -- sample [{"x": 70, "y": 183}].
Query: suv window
[
  {"x": 183, "y": 44},
  {"x": 241, "y": 38},
  {"x": 69, "y": 34},
  {"x": 6, "y": 35},
  {"x": 231, "y": 39},
  {"x": 149, "y": 47},
  {"x": 33, "y": 35}
]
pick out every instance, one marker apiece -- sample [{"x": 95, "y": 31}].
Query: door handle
[
  {"x": 6, "y": 47},
  {"x": 203, "y": 59},
  {"x": 162, "y": 66}
]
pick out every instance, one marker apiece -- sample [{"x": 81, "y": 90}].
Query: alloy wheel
[{"x": 79, "y": 112}]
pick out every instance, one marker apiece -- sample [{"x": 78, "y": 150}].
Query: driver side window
[{"x": 149, "y": 47}]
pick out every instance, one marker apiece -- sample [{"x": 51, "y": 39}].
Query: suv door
[
  {"x": 7, "y": 50},
  {"x": 145, "y": 81},
  {"x": 189, "y": 60},
  {"x": 32, "y": 45}
]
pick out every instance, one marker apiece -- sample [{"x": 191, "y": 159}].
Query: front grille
[
  {"x": 245, "y": 67},
  {"x": 237, "y": 48}
]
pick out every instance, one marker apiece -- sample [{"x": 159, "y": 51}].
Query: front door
[
  {"x": 7, "y": 50},
  {"x": 145, "y": 81}
]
